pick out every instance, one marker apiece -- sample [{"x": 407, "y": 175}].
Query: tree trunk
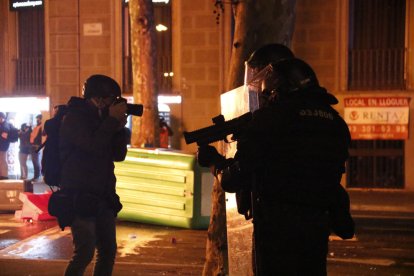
[
  {"x": 145, "y": 129},
  {"x": 216, "y": 247},
  {"x": 257, "y": 22}
]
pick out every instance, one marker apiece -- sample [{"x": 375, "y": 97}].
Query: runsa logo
[{"x": 354, "y": 115}]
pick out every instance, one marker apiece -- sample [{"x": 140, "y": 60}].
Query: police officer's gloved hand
[{"x": 208, "y": 156}]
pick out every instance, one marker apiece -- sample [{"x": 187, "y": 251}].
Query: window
[
  {"x": 162, "y": 14},
  {"x": 376, "y": 44},
  {"x": 30, "y": 67},
  {"x": 376, "y": 62},
  {"x": 162, "y": 17},
  {"x": 376, "y": 164},
  {"x": 126, "y": 52}
]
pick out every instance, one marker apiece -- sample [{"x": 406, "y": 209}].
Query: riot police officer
[{"x": 291, "y": 157}]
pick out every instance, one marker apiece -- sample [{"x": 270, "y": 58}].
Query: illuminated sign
[
  {"x": 21, "y": 4},
  {"x": 371, "y": 118},
  {"x": 153, "y": 1}
]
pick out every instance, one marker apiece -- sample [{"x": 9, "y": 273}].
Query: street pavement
[
  {"x": 142, "y": 249},
  {"x": 384, "y": 241},
  {"x": 395, "y": 204},
  {"x": 41, "y": 248}
]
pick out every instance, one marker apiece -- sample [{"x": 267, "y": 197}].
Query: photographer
[
  {"x": 291, "y": 158},
  {"x": 92, "y": 137}
]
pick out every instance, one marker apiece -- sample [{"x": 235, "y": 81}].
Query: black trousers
[{"x": 290, "y": 240}]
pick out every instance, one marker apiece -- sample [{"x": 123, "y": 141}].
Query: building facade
[{"x": 49, "y": 50}]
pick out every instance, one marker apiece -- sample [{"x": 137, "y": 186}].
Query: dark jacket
[
  {"x": 297, "y": 148},
  {"x": 89, "y": 145},
  {"x": 4, "y": 143}
]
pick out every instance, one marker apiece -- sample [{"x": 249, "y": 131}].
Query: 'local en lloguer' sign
[{"x": 377, "y": 118}]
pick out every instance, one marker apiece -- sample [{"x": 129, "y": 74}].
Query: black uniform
[{"x": 292, "y": 159}]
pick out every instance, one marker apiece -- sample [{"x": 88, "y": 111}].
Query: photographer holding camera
[
  {"x": 291, "y": 158},
  {"x": 92, "y": 137}
]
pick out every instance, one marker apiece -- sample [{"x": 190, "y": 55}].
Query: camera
[{"x": 132, "y": 109}]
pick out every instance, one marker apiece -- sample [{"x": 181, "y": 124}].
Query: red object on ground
[{"x": 34, "y": 206}]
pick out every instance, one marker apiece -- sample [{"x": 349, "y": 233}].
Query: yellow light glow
[{"x": 161, "y": 28}]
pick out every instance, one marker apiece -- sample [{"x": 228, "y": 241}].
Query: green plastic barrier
[{"x": 164, "y": 187}]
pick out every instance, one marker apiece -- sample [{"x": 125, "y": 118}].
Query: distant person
[
  {"x": 165, "y": 133},
  {"x": 4, "y": 146},
  {"x": 24, "y": 149},
  {"x": 58, "y": 111},
  {"x": 36, "y": 143},
  {"x": 92, "y": 136}
]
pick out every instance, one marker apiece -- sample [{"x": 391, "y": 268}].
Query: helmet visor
[{"x": 254, "y": 76}]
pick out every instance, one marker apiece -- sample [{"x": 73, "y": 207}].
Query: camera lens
[{"x": 135, "y": 109}]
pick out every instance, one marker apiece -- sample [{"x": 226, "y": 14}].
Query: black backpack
[{"x": 51, "y": 165}]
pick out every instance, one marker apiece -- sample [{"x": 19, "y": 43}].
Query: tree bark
[
  {"x": 216, "y": 246},
  {"x": 145, "y": 130},
  {"x": 257, "y": 23}
]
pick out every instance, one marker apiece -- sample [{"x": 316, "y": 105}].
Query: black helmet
[
  {"x": 270, "y": 53},
  {"x": 294, "y": 75},
  {"x": 100, "y": 86},
  {"x": 256, "y": 67}
]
